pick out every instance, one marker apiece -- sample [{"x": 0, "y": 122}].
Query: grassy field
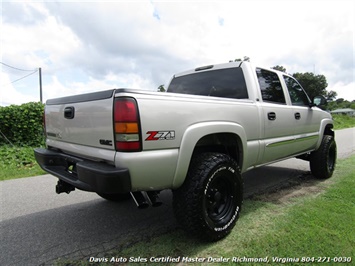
[
  {"x": 313, "y": 223},
  {"x": 343, "y": 121},
  {"x": 17, "y": 162}
]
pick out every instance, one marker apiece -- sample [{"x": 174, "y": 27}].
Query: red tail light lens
[
  {"x": 125, "y": 110},
  {"x": 126, "y": 125}
]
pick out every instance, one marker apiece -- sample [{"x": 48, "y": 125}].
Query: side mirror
[{"x": 319, "y": 101}]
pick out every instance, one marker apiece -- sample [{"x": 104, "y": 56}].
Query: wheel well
[
  {"x": 227, "y": 143},
  {"x": 328, "y": 130}
]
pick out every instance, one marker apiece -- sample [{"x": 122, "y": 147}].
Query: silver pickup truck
[{"x": 213, "y": 123}]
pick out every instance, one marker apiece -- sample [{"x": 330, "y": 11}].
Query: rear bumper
[{"x": 84, "y": 174}]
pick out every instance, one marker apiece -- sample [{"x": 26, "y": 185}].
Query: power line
[
  {"x": 26, "y": 70},
  {"x": 21, "y": 78}
]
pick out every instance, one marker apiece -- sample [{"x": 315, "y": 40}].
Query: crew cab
[{"x": 214, "y": 123}]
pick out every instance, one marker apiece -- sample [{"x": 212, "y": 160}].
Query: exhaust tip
[
  {"x": 154, "y": 198},
  {"x": 140, "y": 200},
  {"x": 144, "y": 199}
]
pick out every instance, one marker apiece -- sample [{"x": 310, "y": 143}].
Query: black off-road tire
[
  {"x": 323, "y": 160},
  {"x": 209, "y": 202},
  {"x": 118, "y": 197}
]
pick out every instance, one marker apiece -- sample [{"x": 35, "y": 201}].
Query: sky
[{"x": 87, "y": 46}]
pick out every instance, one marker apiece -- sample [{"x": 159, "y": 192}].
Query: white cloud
[
  {"x": 84, "y": 47},
  {"x": 346, "y": 91},
  {"x": 9, "y": 95},
  {"x": 36, "y": 44}
]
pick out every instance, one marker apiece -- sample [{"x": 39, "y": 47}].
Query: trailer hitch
[{"x": 63, "y": 187}]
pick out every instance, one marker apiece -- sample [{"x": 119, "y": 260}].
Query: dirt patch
[{"x": 304, "y": 185}]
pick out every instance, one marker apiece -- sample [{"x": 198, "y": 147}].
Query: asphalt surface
[{"x": 38, "y": 226}]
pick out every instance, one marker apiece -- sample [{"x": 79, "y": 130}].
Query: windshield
[{"x": 227, "y": 83}]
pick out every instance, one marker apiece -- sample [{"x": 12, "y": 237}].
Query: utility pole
[{"x": 40, "y": 84}]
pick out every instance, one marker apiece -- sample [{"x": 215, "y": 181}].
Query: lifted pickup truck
[{"x": 213, "y": 123}]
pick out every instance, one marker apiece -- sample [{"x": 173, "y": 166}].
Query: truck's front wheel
[
  {"x": 323, "y": 160},
  {"x": 209, "y": 202}
]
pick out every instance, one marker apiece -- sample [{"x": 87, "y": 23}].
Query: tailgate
[{"x": 81, "y": 119}]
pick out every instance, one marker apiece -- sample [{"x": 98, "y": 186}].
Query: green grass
[
  {"x": 16, "y": 162},
  {"x": 343, "y": 121},
  {"x": 318, "y": 225}
]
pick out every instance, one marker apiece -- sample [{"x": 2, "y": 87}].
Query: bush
[{"x": 22, "y": 125}]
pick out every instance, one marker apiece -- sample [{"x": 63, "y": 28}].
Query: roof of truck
[{"x": 210, "y": 67}]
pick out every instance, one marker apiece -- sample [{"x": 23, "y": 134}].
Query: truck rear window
[{"x": 226, "y": 83}]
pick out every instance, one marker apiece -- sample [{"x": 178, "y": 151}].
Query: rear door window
[{"x": 270, "y": 86}]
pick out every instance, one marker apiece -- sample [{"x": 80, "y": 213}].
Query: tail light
[{"x": 126, "y": 125}]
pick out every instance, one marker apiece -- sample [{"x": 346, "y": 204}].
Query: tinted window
[
  {"x": 297, "y": 94},
  {"x": 270, "y": 86},
  {"x": 228, "y": 83}
]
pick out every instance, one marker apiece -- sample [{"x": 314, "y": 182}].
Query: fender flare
[
  {"x": 193, "y": 134},
  {"x": 324, "y": 123}
]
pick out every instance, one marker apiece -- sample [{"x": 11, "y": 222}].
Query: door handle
[
  {"x": 297, "y": 116},
  {"x": 271, "y": 116},
  {"x": 69, "y": 112}
]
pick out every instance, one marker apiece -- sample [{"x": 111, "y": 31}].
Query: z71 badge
[{"x": 161, "y": 135}]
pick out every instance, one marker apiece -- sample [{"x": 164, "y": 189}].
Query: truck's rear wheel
[
  {"x": 208, "y": 203},
  {"x": 323, "y": 160}
]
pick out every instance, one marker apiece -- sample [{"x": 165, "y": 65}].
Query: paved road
[{"x": 38, "y": 226}]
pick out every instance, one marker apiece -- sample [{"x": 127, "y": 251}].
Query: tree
[
  {"x": 314, "y": 85},
  {"x": 279, "y": 68},
  {"x": 161, "y": 88},
  {"x": 331, "y": 95}
]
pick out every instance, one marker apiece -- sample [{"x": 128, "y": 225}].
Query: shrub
[{"x": 22, "y": 125}]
